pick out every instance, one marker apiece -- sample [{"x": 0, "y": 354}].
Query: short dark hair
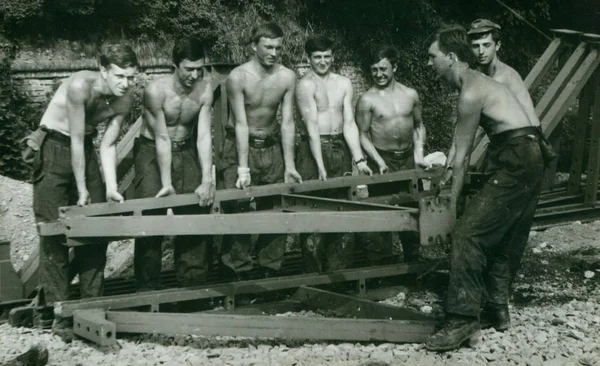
[
  {"x": 454, "y": 39},
  {"x": 389, "y": 52},
  {"x": 496, "y": 35},
  {"x": 318, "y": 44},
  {"x": 118, "y": 54},
  {"x": 267, "y": 30},
  {"x": 188, "y": 48}
]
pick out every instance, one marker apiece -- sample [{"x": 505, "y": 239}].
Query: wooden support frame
[
  {"x": 583, "y": 114},
  {"x": 67, "y": 308},
  {"x": 591, "y": 187}
]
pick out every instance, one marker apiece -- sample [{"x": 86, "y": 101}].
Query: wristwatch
[{"x": 361, "y": 160}]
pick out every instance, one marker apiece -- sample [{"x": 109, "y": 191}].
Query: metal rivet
[{"x": 495, "y": 181}]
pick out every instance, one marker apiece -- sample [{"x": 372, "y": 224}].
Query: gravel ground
[{"x": 555, "y": 312}]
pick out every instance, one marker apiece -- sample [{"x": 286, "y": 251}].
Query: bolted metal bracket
[
  {"x": 92, "y": 325},
  {"x": 437, "y": 218}
]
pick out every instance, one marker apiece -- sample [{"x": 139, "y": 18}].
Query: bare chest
[
  {"x": 328, "y": 95},
  {"x": 392, "y": 107},
  {"x": 266, "y": 92}
]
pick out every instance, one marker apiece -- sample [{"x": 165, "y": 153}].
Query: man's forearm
[
  {"x": 108, "y": 157},
  {"x": 369, "y": 148},
  {"x": 419, "y": 144},
  {"x": 352, "y": 139},
  {"x": 205, "y": 153},
  {"x": 163, "y": 158},
  {"x": 241, "y": 138},
  {"x": 458, "y": 179},
  {"x": 78, "y": 164},
  {"x": 287, "y": 140}
]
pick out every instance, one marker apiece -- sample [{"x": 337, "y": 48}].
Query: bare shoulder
[
  {"x": 238, "y": 73},
  {"x": 79, "y": 85},
  {"x": 342, "y": 81},
  {"x": 206, "y": 91},
  {"x": 365, "y": 101},
  {"x": 157, "y": 86},
  {"x": 410, "y": 92},
  {"x": 306, "y": 83}
]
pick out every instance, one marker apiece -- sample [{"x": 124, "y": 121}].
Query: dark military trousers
[
  {"x": 489, "y": 238},
  {"x": 265, "y": 160},
  {"x": 54, "y": 186},
  {"x": 337, "y": 248},
  {"x": 378, "y": 246},
  {"x": 190, "y": 252}
]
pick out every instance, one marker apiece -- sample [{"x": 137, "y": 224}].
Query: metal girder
[
  {"x": 66, "y": 308},
  {"x": 437, "y": 216},
  {"x": 88, "y": 230},
  {"x": 300, "y": 203},
  {"x": 92, "y": 325},
  {"x": 552, "y": 216},
  {"x": 317, "y": 328},
  {"x": 355, "y": 307},
  {"x": 137, "y": 205},
  {"x": 544, "y": 63}
]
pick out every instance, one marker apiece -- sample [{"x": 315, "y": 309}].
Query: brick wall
[{"x": 40, "y": 84}]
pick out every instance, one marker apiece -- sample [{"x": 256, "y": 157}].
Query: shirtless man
[
  {"x": 168, "y": 162},
  {"x": 66, "y": 169},
  {"x": 393, "y": 135},
  {"x": 513, "y": 168},
  {"x": 484, "y": 37},
  {"x": 252, "y": 152},
  {"x": 330, "y": 144}
]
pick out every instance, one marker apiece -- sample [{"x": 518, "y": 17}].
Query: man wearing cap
[{"x": 485, "y": 40}]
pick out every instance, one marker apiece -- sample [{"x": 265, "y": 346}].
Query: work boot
[
  {"x": 63, "y": 327},
  {"x": 37, "y": 355},
  {"x": 457, "y": 330},
  {"x": 495, "y": 316}
]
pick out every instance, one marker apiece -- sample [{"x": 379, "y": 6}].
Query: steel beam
[
  {"x": 136, "y": 205},
  {"x": 97, "y": 229},
  {"x": 92, "y": 325},
  {"x": 66, "y": 308},
  {"x": 318, "y": 328},
  {"x": 437, "y": 216},
  {"x": 354, "y": 307},
  {"x": 544, "y": 63},
  {"x": 300, "y": 203}
]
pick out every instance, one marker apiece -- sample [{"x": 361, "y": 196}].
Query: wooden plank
[
  {"x": 318, "y": 328},
  {"x": 569, "y": 93},
  {"x": 354, "y": 307},
  {"x": 98, "y": 228},
  {"x": 583, "y": 116},
  {"x": 565, "y": 74},
  {"x": 66, "y": 308},
  {"x": 98, "y": 209},
  {"x": 544, "y": 63},
  {"x": 296, "y": 203},
  {"x": 591, "y": 188}
]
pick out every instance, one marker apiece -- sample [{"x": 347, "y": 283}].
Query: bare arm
[
  {"x": 77, "y": 93},
  {"x": 363, "y": 121},
  {"x": 288, "y": 131},
  {"x": 419, "y": 133},
  {"x": 108, "y": 156},
  {"x": 308, "y": 110},
  {"x": 469, "y": 113},
  {"x": 154, "y": 116},
  {"x": 351, "y": 132},
  {"x": 235, "y": 94},
  {"x": 205, "y": 191}
]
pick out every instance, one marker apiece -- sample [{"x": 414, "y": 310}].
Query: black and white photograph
[{"x": 299, "y": 182}]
